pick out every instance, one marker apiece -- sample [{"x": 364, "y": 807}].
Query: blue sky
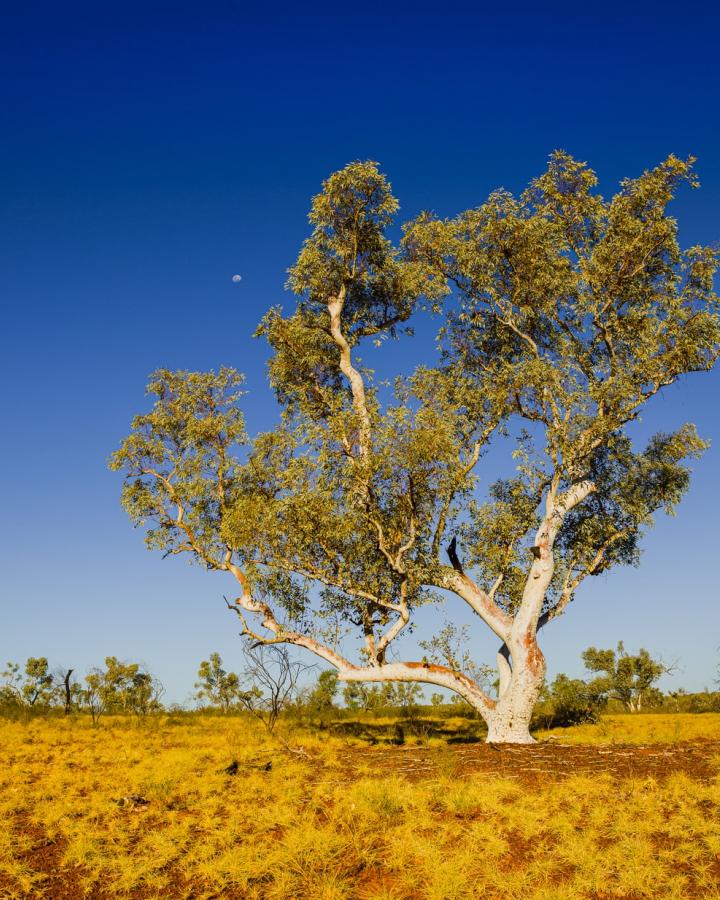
[{"x": 152, "y": 151}]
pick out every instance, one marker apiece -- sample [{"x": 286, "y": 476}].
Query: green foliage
[
  {"x": 11, "y": 693},
  {"x": 625, "y": 677},
  {"x": 219, "y": 687},
  {"x": 322, "y": 697},
  {"x": 121, "y": 688},
  {"x": 180, "y": 456},
  {"x": 32, "y": 686},
  {"x": 570, "y": 701},
  {"x": 403, "y": 695},
  {"x": 702, "y": 702},
  {"x": 348, "y": 250},
  {"x": 362, "y": 696},
  {"x": 407, "y": 695},
  {"x": 449, "y": 647},
  {"x": 38, "y": 686},
  {"x": 578, "y": 310},
  {"x": 564, "y": 314}
]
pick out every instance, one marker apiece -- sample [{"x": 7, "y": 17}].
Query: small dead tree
[
  {"x": 68, "y": 691},
  {"x": 270, "y": 682}
]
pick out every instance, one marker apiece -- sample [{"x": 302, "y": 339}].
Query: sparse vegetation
[
  {"x": 216, "y": 686},
  {"x": 31, "y": 685},
  {"x": 121, "y": 688},
  {"x": 274, "y": 790},
  {"x": 570, "y": 701},
  {"x": 149, "y": 808}
]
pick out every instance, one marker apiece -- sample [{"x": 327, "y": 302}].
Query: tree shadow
[{"x": 396, "y": 732}]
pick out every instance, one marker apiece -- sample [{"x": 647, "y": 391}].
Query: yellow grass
[
  {"x": 650, "y": 728},
  {"x": 316, "y": 829}
]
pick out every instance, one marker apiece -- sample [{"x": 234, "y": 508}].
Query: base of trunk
[
  {"x": 509, "y": 736},
  {"x": 509, "y": 732},
  {"x": 509, "y": 721}
]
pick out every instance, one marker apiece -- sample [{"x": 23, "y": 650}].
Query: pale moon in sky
[{"x": 237, "y": 278}]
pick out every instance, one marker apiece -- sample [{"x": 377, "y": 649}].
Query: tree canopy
[{"x": 560, "y": 315}]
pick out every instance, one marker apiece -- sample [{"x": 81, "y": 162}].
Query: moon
[{"x": 237, "y": 278}]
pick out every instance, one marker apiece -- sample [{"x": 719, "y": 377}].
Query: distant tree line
[
  {"x": 115, "y": 689},
  {"x": 270, "y": 682}
]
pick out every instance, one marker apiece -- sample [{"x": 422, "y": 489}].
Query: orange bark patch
[
  {"x": 431, "y": 667},
  {"x": 533, "y": 655}
]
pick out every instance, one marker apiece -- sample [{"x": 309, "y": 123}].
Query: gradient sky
[{"x": 151, "y": 151}]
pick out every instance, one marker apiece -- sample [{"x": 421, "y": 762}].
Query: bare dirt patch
[
  {"x": 44, "y": 857},
  {"x": 540, "y": 762}
]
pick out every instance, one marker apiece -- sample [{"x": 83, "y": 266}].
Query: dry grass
[
  {"x": 657, "y": 728},
  {"x": 312, "y": 828}
]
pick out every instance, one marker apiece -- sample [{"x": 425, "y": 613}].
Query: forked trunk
[
  {"x": 520, "y": 661},
  {"x": 509, "y": 721}
]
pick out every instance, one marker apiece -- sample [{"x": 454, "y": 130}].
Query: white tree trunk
[
  {"x": 509, "y": 722},
  {"x": 522, "y": 681},
  {"x": 521, "y": 667}
]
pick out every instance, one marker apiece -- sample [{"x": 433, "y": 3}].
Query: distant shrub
[
  {"x": 704, "y": 702},
  {"x": 569, "y": 701}
]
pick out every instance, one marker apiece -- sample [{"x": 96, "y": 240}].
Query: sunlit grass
[
  {"x": 312, "y": 828},
  {"x": 650, "y": 728}
]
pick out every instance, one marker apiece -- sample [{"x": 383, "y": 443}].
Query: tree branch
[
  {"x": 477, "y": 600},
  {"x": 347, "y": 671},
  {"x": 424, "y": 673},
  {"x": 357, "y": 385},
  {"x": 464, "y": 469}
]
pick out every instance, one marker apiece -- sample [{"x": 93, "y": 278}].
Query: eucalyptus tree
[
  {"x": 627, "y": 677},
  {"x": 220, "y": 687},
  {"x": 322, "y": 696},
  {"x": 31, "y": 686},
  {"x": 561, "y": 315},
  {"x": 120, "y": 688}
]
